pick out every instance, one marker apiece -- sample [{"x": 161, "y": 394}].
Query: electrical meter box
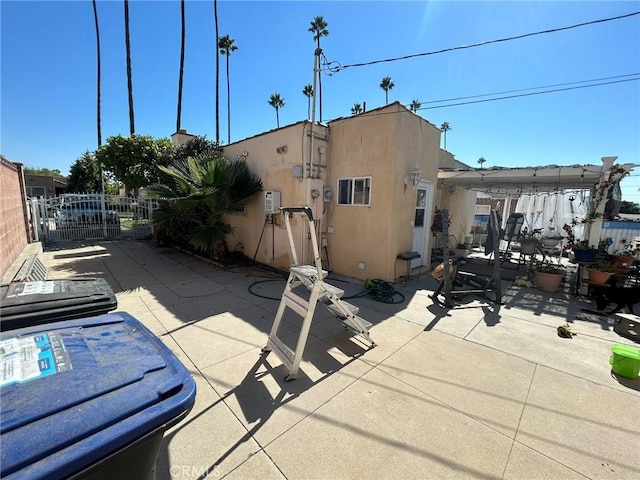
[{"x": 271, "y": 201}]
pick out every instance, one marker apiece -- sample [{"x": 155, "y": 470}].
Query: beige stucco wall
[
  {"x": 461, "y": 204},
  {"x": 272, "y": 157},
  {"x": 180, "y": 137},
  {"x": 384, "y": 144},
  {"x": 446, "y": 159}
]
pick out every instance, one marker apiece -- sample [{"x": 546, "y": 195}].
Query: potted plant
[
  {"x": 551, "y": 238},
  {"x": 600, "y": 272},
  {"x": 625, "y": 255},
  {"x": 551, "y": 241},
  {"x": 548, "y": 275},
  {"x": 582, "y": 251},
  {"x": 529, "y": 241}
]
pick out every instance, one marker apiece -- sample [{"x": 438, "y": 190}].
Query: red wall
[{"x": 13, "y": 215}]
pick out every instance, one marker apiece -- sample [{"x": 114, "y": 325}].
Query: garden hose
[
  {"x": 277, "y": 279},
  {"x": 379, "y": 290}
]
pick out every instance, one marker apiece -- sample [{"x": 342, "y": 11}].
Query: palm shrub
[{"x": 199, "y": 193}]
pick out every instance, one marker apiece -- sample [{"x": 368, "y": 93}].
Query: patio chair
[
  {"x": 513, "y": 228},
  {"x": 510, "y": 233}
]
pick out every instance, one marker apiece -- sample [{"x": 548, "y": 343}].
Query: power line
[
  {"x": 372, "y": 113},
  {"x": 488, "y": 42},
  {"x": 531, "y": 88},
  {"x": 529, "y": 94}
]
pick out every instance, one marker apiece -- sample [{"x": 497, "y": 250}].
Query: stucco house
[
  {"x": 44, "y": 185},
  {"x": 370, "y": 179}
]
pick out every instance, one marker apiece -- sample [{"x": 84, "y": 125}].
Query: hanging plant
[
  {"x": 436, "y": 224},
  {"x": 615, "y": 174}
]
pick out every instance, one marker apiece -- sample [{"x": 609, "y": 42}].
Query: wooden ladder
[{"x": 311, "y": 277}]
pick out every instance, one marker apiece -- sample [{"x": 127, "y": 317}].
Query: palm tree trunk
[
  {"x": 445, "y": 139},
  {"x": 132, "y": 127},
  {"x": 215, "y": 15},
  {"x": 277, "y": 118},
  {"x": 99, "y": 89},
  {"x": 319, "y": 83},
  {"x": 228, "y": 103},
  {"x": 181, "y": 74},
  {"x": 386, "y": 97}
]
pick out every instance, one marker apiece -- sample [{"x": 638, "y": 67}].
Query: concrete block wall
[{"x": 13, "y": 215}]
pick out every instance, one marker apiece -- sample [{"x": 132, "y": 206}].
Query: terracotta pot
[
  {"x": 548, "y": 282},
  {"x": 598, "y": 277},
  {"x": 625, "y": 260},
  {"x": 621, "y": 271}
]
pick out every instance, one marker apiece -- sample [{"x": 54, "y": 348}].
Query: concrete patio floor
[{"x": 469, "y": 392}]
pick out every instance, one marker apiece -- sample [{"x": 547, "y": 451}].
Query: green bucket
[{"x": 625, "y": 360}]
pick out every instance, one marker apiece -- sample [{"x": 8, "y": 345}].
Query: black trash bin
[
  {"x": 23, "y": 304},
  {"x": 87, "y": 398}
]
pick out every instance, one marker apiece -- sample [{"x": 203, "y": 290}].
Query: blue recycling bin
[{"x": 87, "y": 398}]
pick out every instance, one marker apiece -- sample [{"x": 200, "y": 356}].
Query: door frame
[{"x": 425, "y": 249}]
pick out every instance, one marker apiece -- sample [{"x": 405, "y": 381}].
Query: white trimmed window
[{"x": 354, "y": 191}]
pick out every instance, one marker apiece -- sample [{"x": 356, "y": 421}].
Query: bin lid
[
  {"x": 76, "y": 391},
  {"x": 23, "y": 304},
  {"x": 626, "y": 351}
]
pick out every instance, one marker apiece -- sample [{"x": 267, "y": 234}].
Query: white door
[{"x": 422, "y": 224}]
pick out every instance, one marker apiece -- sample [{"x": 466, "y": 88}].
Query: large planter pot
[
  {"x": 548, "y": 282},
  {"x": 588, "y": 255},
  {"x": 625, "y": 260},
  {"x": 597, "y": 277}
]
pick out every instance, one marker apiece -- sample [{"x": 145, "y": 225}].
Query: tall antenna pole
[{"x": 316, "y": 69}]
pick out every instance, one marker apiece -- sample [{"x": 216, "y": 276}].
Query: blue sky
[{"x": 48, "y": 77}]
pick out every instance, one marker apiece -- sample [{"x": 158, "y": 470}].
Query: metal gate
[{"x": 91, "y": 216}]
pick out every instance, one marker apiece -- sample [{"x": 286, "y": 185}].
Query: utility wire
[
  {"x": 529, "y": 94},
  {"x": 531, "y": 88},
  {"x": 373, "y": 113},
  {"x": 488, "y": 42}
]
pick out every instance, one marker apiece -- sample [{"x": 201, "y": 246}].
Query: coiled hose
[{"x": 380, "y": 291}]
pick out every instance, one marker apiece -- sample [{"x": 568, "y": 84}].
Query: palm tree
[
  {"x": 415, "y": 105},
  {"x": 215, "y": 17},
  {"x": 319, "y": 30},
  {"x": 181, "y": 74},
  {"x": 226, "y": 46},
  {"x": 199, "y": 193},
  {"x": 277, "y": 102},
  {"x": 386, "y": 85},
  {"x": 445, "y": 127},
  {"x": 132, "y": 127},
  {"x": 307, "y": 91},
  {"x": 356, "y": 109},
  {"x": 481, "y": 161},
  {"x": 99, "y": 89}
]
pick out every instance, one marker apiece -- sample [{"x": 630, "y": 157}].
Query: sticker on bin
[
  {"x": 27, "y": 358},
  {"x": 38, "y": 287}
]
